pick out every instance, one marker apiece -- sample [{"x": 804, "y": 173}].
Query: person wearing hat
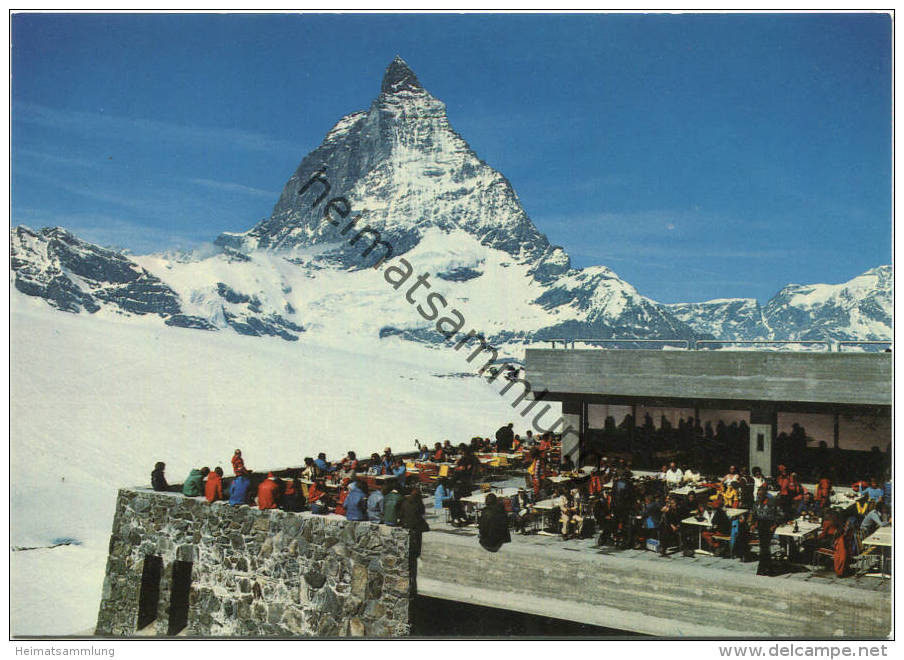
[
  {"x": 238, "y": 463},
  {"x": 268, "y": 492}
]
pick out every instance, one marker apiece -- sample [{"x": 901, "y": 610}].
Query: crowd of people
[{"x": 737, "y": 512}]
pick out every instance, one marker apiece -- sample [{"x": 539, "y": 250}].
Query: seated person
[
  {"x": 356, "y": 501},
  {"x": 567, "y": 465},
  {"x": 423, "y": 451},
  {"x": 652, "y": 512},
  {"x": 823, "y": 492},
  {"x": 339, "y": 508},
  {"x": 732, "y": 475},
  {"x": 875, "y": 519},
  {"x": 569, "y": 516},
  {"x": 268, "y": 492},
  {"x": 691, "y": 476},
  {"x": 721, "y": 526},
  {"x": 673, "y": 476},
  {"x": 392, "y": 500},
  {"x": 194, "y": 482},
  {"x": 730, "y": 495},
  {"x": 292, "y": 498},
  {"x": 374, "y": 465},
  {"x": 874, "y": 492},
  {"x": 439, "y": 456},
  {"x": 309, "y": 472},
  {"x": 240, "y": 490},
  {"x": 375, "y": 506},
  {"x": 807, "y": 506},
  {"x": 493, "y": 525},
  {"x": 442, "y": 496},
  {"x": 669, "y": 526},
  {"x": 399, "y": 471},
  {"x": 317, "y": 498},
  {"x": 213, "y": 488},
  {"x": 158, "y": 480},
  {"x": 323, "y": 465},
  {"x": 348, "y": 466}
]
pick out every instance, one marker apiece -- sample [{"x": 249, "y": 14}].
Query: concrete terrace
[{"x": 637, "y": 590}]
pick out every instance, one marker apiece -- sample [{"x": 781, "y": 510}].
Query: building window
[
  {"x": 761, "y": 442},
  {"x": 178, "y": 610},
  {"x": 150, "y": 590}
]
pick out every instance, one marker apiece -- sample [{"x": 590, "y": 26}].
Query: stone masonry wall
[{"x": 256, "y": 573}]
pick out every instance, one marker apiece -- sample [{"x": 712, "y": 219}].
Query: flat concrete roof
[{"x": 768, "y": 376}]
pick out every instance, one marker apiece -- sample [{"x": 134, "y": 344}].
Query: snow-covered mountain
[
  {"x": 395, "y": 186},
  {"x": 859, "y": 309},
  {"x": 724, "y": 318}
]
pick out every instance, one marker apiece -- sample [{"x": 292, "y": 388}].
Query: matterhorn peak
[{"x": 399, "y": 77}]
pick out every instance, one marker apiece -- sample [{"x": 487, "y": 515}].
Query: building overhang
[{"x": 723, "y": 378}]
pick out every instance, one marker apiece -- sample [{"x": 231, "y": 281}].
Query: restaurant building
[{"x": 813, "y": 411}]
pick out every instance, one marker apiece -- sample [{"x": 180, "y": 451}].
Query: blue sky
[{"x": 698, "y": 156}]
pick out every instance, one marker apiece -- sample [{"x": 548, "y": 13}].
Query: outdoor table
[
  {"x": 707, "y": 523},
  {"x": 688, "y": 489},
  {"x": 881, "y": 538},
  {"x": 547, "y": 507},
  {"x": 805, "y": 529},
  {"x": 480, "y": 498}
]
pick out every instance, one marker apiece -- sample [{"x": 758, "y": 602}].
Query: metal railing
[{"x": 697, "y": 344}]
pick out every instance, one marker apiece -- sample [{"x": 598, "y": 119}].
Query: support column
[
  {"x": 574, "y": 416},
  {"x": 763, "y": 423}
]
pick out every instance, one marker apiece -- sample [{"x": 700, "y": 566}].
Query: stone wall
[{"x": 255, "y": 573}]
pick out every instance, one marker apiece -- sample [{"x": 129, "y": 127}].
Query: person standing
[
  {"x": 767, "y": 517},
  {"x": 238, "y": 463},
  {"x": 504, "y": 438}
]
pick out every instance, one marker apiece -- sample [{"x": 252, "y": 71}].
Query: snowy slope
[{"x": 95, "y": 402}]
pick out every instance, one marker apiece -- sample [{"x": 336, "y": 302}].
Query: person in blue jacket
[
  {"x": 356, "y": 501},
  {"x": 239, "y": 491},
  {"x": 442, "y": 495},
  {"x": 400, "y": 472}
]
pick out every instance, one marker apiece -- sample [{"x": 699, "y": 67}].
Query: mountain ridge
[{"x": 409, "y": 179}]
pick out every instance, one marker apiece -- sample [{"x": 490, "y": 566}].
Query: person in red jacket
[
  {"x": 823, "y": 492},
  {"x": 213, "y": 487},
  {"x": 268, "y": 493},
  {"x": 238, "y": 464}
]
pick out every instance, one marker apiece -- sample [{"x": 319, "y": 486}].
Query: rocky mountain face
[
  {"x": 403, "y": 169},
  {"x": 73, "y": 275},
  {"x": 858, "y": 310},
  {"x": 406, "y": 178}
]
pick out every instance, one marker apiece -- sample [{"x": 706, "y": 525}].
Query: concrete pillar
[{"x": 573, "y": 416}]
